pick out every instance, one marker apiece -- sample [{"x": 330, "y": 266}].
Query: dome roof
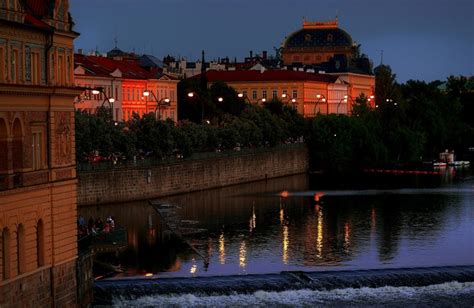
[{"x": 319, "y": 35}]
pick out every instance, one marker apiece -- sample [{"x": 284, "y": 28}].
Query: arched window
[
  {"x": 40, "y": 243},
  {"x": 20, "y": 248},
  {"x": 3, "y": 146},
  {"x": 5, "y": 254},
  {"x": 17, "y": 145}
]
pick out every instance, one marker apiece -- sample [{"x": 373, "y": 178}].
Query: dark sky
[{"x": 420, "y": 39}]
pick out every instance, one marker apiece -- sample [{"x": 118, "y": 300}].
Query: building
[
  {"x": 38, "y": 232},
  {"x": 317, "y": 42},
  {"x": 123, "y": 83},
  {"x": 309, "y": 93}
]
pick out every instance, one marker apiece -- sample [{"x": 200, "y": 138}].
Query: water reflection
[{"x": 302, "y": 231}]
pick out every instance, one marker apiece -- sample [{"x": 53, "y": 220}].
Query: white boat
[{"x": 439, "y": 165}]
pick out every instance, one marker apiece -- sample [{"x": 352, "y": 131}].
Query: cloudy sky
[{"x": 420, "y": 39}]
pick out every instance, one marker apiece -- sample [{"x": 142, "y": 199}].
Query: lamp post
[
  {"x": 321, "y": 98},
  {"x": 159, "y": 102},
  {"x": 292, "y": 100},
  {"x": 110, "y": 100},
  {"x": 344, "y": 99},
  {"x": 244, "y": 97},
  {"x": 191, "y": 95}
]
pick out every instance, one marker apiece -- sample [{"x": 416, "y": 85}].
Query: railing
[{"x": 148, "y": 162}]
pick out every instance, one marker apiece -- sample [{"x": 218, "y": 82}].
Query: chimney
[{"x": 264, "y": 55}]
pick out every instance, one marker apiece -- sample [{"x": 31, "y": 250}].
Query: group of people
[{"x": 95, "y": 226}]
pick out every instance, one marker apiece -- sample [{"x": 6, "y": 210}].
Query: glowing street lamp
[
  {"x": 344, "y": 99},
  {"x": 159, "y": 102},
  {"x": 220, "y": 99},
  {"x": 191, "y": 96},
  {"x": 321, "y": 98}
]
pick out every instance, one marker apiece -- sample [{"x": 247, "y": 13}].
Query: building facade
[
  {"x": 317, "y": 42},
  {"x": 309, "y": 93},
  {"x": 123, "y": 84},
  {"x": 38, "y": 233}
]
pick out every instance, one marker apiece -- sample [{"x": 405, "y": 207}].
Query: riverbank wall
[{"x": 131, "y": 183}]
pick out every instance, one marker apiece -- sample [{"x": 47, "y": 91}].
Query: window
[
  {"x": 284, "y": 93},
  {"x": 37, "y": 149},
  {"x": 295, "y": 93},
  {"x": 35, "y": 68},
  {"x": 20, "y": 249},
  {"x": 60, "y": 69},
  {"x": 244, "y": 93},
  {"x": 2, "y": 65},
  {"x": 116, "y": 93},
  {"x": 264, "y": 93},
  {"x": 15, "y": 67},
  {"x": 254, "y": 94},
  {"x": 40, "y": 243},
  {"x": 274, "y": 94},
  {"x": 5, "y": 254}
]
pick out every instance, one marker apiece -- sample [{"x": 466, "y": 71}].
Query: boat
[{"x": 439, "y": 164}]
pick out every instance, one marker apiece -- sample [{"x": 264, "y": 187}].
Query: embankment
[{"x": 124, "y": 184}]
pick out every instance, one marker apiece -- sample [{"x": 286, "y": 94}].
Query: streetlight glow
[
  {"x": 293, "y": 100},
  {"x": 146, "y": 93},
  {"x": 95, "y": 92},
  {"x": 190, "y": 94},
  {"x": 264, "y": 100},
  {"x": 323, "y": 100},
  {"x": 283, "y": 95},
  {"x": 220, "y": 99},
  {"x": 318, "y": 95},
  {"x": 111, "y": 100},
  {"x": 240, "y": 95},
  {"x": 167, "y": 100}
]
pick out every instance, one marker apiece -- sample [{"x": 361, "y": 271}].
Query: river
[{"x": 364, "y": 222}]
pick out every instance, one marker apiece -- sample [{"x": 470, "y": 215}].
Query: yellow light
[
  {"x": 243, "y": 255},
  {"x": 284, "y": 194},
  {"x": 190, "y": 94},
  {"x": 319, "y": 238},
  {"x": 283, "y": 95},
  {"x": 148, "y": 274},
  {"x": 345, "y": 100},
  {"x": 264, "y": 100},
  {"x": 146, "y": 93},
  {"x": 372, "y": 97},
  {"x": 167, "y": 100},
  {"x": 324, "y": 100},
  {"x": 222, "y": 248},
  {"x": 220, "y": 99},
  {"x": 286, "y": 243},
  {"x": 293, "y": 100},
  {"x": 111, "y": 100},
  {"x": 318, "y": 96},
  {"x": 345, "y": 96},
  {"x": 240, "y": 95},
  {"x": 95, "y": 92}
]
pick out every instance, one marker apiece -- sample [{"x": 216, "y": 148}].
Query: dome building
[{"x": 316, "y": 43}]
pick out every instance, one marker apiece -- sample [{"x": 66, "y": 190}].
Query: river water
[{"x": 364, "y": 222}]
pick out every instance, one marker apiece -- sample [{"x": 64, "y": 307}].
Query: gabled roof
[
  {"x": 101, "y": 66},
  {"x": 269, "y": 75},
  {"x": 150, "y": 61}
]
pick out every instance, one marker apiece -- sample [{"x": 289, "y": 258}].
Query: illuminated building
[
  {"x": 309, "y": 93},
  {"x": 125, "y": 81},
  {"x": 38, "y": 232}
]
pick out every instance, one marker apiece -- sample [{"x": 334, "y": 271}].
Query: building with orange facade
[
  {"x": 38, "y": 233},
  {"x": 309, "y": 93},
  {"x": 126, "y": 87}
]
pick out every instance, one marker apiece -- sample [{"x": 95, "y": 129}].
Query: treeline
[
  {"x": 412, "y": 122},
  {"x": 227, "y": 125}
]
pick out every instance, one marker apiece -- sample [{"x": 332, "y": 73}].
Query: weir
[{"x": 105, "y": 291}]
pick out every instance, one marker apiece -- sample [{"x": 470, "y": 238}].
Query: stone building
[
  {"x": 38, "y": 232},
  {"x": 125, "y": 81}
]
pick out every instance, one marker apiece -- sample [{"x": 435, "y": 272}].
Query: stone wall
[{"x": 139, "y": 183}]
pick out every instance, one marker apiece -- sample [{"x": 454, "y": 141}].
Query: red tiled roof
[
  {"x": 102, "y": 66},
  {"x": 270, "y": 75},
  {"x": 31, "y": 20}
]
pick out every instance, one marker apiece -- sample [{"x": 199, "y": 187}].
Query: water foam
[{"x": 450, "y": 293}]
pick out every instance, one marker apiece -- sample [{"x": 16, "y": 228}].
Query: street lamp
[
  {"x": 159, "y": 102},
  {"x": 191, "y": 95},
  {"x": 292, "y": 100},
  {"x": 220, "y": 99},
  {"x": 245, "y": 97},
  {"x": 344, "y": 99},
  {"x": 110, "y": 100},
  {"x": 321, "y": 98}
]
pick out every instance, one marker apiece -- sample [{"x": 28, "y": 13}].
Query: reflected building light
[
  {"x": 209, "y": 248},
  {"x": 319, "y": 238},
  {"x": 148, "y": 275},
  {"x": 243, "y": 254},
  {"x": 286, "y": 243},
  {"x": 222, "y": 248},
  {"x": 347, "y": 234},
  {"x": 282, "y": 216},
  {"x": 373, "y": 222},
  {"x": 253, "y": 220},
  {"x": 193, "y": 268}
]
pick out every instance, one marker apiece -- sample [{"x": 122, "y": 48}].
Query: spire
[{"x": 203, "y": 73}]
